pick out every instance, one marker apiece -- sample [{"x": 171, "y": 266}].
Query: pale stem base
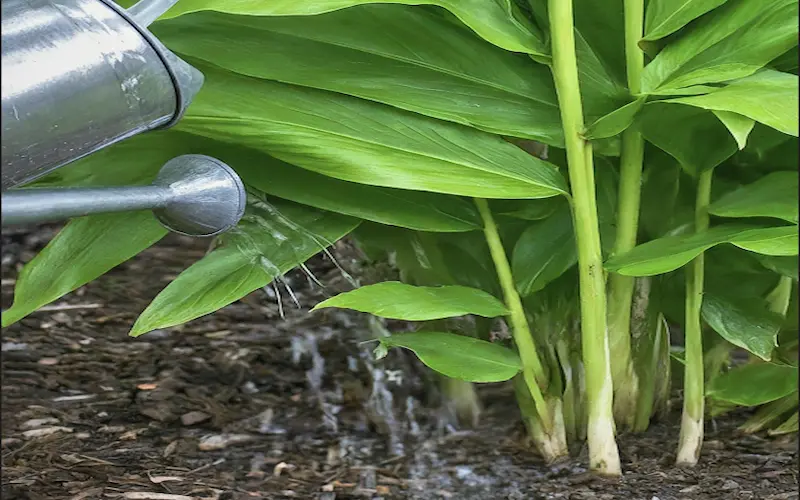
[{"x": 691, "y": 440}]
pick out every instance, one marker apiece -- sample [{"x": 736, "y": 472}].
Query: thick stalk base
[
  {"x": 551, "y": 445},
  {"x": 626, "y": 397},
  {"x": 603, "y": 453},
  {"x": 691, "y": 441}
]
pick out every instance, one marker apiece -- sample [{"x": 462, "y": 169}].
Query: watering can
[{"x": 81, "y": 75}]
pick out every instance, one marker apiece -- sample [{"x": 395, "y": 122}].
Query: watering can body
[
  {"x": 81, "y": 75},
  {"x": 78, "y": 76}
]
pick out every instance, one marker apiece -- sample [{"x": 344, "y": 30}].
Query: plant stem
[
  {"x": 629, "y": 200},
  {"x": 549, "y": 431},
  {"x": 603, "y": 453},
  {"x": 691, "y": 437}
]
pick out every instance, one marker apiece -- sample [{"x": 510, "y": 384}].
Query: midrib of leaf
[
  {"x": 388, "y": 55},
  {"x": 510, "y": 175}
]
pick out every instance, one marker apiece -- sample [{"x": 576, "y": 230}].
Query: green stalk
[
  {"x": 621, "y": 287},
  {"x": 549, "y": 431},
  {"x": 691, "y": 437},
  {"x": 603, "y": 453}
]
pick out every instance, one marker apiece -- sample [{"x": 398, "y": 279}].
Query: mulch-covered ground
[{"x": 250, "y": 403}]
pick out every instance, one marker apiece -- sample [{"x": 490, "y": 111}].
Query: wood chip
[
  {"x": 35, "y": 423},
  {"x": 194, "y": 417},
  {"x": 222, "y": 441},
  {"x": 44, "y": 431},
  {"x": 148, "y": 495},
  {"x": 147, "y": 387}
]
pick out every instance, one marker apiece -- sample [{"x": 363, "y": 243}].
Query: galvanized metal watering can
[{"x": 81, "y": 75}]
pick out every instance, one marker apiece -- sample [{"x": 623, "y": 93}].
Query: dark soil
[{"x": 245, "y": 404}]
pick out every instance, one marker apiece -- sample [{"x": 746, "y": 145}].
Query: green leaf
[
  {"x": 85, "y": 249},
  {"x": 667, "y": 195},
  {"x": 458, "y": 356},
  {"x": 774, "y": 195},
  {"x": 411, "y": 209},
  {"x": 738, "y": 125},
  {"x": 746, "y": 323},
  {"x": 693, "y": 136},
  {"x": 544, "y": 252},
  {"x": 664, "y": 17},
  {"x": 497, "y": 22},
  {"x": 365, "y": 142},
  {"x": 732, "y": 41},
  {"x": 669, "y": 253},
  {"x": 271, "y": 239},
  {"x": 754, "y": 384},
  {"x": 769, "y": 97},
  {"x": 615, "y": 122},
  {"x": 448, "y": 74},
  {"x": 785, "y": 266},
  {"x": 395, "y": 300},
  {"x": 787, "y": 427}
]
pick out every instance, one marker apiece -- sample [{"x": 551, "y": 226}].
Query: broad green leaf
[
  {"x": 693, "y": 136},
  {"x": 411, "y": 209},
  {"x": 134, "y": 161},
  {"x": 615, "y": 122},
  {"x": 738, "y": 125},
  {"x": 669, "y": 253},
  {"x": 664, "y": 17},
  {"x": 732, "y": 41},
  {"x": 497, "y": 22},
  {"x": 365, "y": 142},
  {"x": 787, "y": 62},
  {"x": 458, "y": 356},
  {"x": 396, "y": 300},
  {"x": 544, "y": 252},
  {"x": 448, "y": 74},
  {"x": 770, "y": 414},
  {"x": 271, "y": 239},
  {"x": 746, "y": 323},
  {"x": 754, "y": 384},
  {"x": 774, "y": 195},
  {"x": 769, "y": 97},
  {"x": 601, "y": 25},
  {"x": 85, "y": 249}
]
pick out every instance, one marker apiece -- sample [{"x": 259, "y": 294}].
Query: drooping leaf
[
  {"x": 615, "y": 122},
  {"x": 497, "y": 22},
  {"x": 543, "y": 252},
  {"x": 774, "y": 195},
  {"x": 693, "y": 136},
  {"x": 746, "y": 323},
  {"x": 448, "y": 74},
  {"x": 669, "y": 253},
  {"x": 458, "y": 356},
  {"x": 769, "y": 97},
  {"x": 271, "y": 239},
  {"x": 732, "y": 41},
  {"x": 754, "y": 384},
  {"x": 785, "y": 266},
  {"x": 770, "y": 414},
  {"x": 85, "y": 249},
  {"x": 365, "y": 142},
  {"x": 667, "y": 200},
  {"x": 789, "y": 426},
  {"x": 395, "y": 300},
  {"x": 738, "y": 125},
  {"x": 664, "y": 17}
]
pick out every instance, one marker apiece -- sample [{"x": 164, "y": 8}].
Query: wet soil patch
[{"x": 262, "y": 400}]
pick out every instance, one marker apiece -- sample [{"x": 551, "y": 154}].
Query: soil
[{"x": 262, "y": 400}]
